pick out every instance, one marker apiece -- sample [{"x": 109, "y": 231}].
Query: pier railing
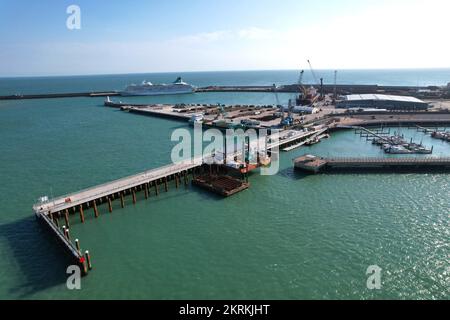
[{"x": 387, "y": 160}]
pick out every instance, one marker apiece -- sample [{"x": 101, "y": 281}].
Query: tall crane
[
  {"x": 320, "y": 84},
  {"x": 301, "y": 99},
  {"x": 313, "y": 73},
  {"x": 300, "y": 78}
]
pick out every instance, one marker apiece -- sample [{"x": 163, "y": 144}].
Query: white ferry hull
[
  {"x": 154, "y": 93},
  {"x": 149, "y": 89}
]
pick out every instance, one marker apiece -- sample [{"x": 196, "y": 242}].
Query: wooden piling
[
  {"x": 166, "y": 187},
  {"x": 56, "y": 220},
  {"x": 122, "y": 200},
  {"x": 81, "y": 213},
  {"x": 66, "y": 218},
  {"x": 109, "y": 205},
  {"x": 88, "y": 259},
  {"x": 146, "y": 190},
  {"x": 84, "y": 263},
  {"x": 94, "y": 205},
  {"x": 134, "y": 196},
  {"x": 176, "y": 180},
  {"x": 77, "y": 244},
  {"x": 156, "y": 187}
]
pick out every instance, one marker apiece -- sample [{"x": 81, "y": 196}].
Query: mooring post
[
  {"x": 166, "y": 187},
  {"x": 77, "y": 244},
  {"x": 81, "y": 213},
  {"x": 66, "y": 218},
  {"x": 122, "y": 200},
  {"x": 84, "y": 263},
  {"x": 146, "y": 190},
  {"x": 88, "y": 259},
  {"x": 94, "y": 205},
  {"x": 67, "y": 234},
  {"x": 134, "y": 196}
]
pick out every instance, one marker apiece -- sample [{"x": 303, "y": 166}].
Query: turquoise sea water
[
  {"x": 407, "y": 77},
  {"x": 290, "y": 236}
]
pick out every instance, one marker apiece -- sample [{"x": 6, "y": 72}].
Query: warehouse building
[{"x": 381, "y": 101}]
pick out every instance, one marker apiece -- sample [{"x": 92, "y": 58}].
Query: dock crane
[
  {"x": 335, "y": 87},
  {"x": 289, "y": 120},
  {"x": 320, "y": 84},
  {"x": 302, "y": 97}
]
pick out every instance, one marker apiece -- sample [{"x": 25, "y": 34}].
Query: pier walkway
[
  {"x": 117, "y": 186},
  {"x": 316, "y": 164}
]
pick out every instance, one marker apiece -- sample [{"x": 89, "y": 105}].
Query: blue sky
[{"x": 200, "y": 35}]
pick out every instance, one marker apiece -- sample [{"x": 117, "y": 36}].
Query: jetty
[
  {"x": 51, "y": 212},
  {"x": 315, "y": 164},
  {"x": 60, "y": 95}
]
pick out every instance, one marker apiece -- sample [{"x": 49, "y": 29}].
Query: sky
[{"x": 202, "y": 35}]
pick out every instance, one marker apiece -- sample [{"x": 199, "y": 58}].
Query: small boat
[
  {"x": 196, "y": 119},
  {"x": 397, "y": 150}
]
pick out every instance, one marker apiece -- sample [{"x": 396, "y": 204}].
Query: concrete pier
[{"x": 314, "y": 164}]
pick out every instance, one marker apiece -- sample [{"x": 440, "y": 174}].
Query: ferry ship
[{"x": 150, "y": 89}]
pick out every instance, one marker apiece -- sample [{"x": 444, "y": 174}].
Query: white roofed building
[{"x": 382, "y": 101}]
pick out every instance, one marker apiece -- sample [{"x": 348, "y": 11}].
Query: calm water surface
[{"x": 289, "y": 236}]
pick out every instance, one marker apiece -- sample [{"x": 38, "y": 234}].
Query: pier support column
[
  {"x": 146, "y": 190},
  {"x": 88, "y": 260},
  {"x": 134, "y": 196},
  {"x": 56, "y": 220},
  {"x": 77, "y": 244},
  {"x": 122, "y": 200},
  {"x": 94, "y": 205},
  {"x": 81, "y": 213},
  {"x": 156, "y": 187},
  {"x": 185, "y": 174},
  {"x": 166, "y": 187},
  {"x": 109, "y": 205},
  {"x": 176, "y": 180},
  {"x": 66, "y": 218}
]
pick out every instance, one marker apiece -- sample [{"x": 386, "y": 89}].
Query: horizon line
[{"x": 212, "y": 71}]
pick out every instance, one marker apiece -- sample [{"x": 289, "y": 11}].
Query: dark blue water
[{"x": 408, "y": 77}]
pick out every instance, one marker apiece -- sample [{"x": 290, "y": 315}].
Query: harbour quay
[{"x": 315, "y": 164}]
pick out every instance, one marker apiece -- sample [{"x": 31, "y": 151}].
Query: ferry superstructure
[{"x": 150, "y": 89}]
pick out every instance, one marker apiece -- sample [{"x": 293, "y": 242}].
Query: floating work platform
[
  {"x": 223, "y": 185},
  {"x": 314, "y": 164}
]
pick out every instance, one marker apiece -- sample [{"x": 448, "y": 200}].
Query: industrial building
[
  {"x": 301, "y": 109},
  {"x": 381, "y": 101}
]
